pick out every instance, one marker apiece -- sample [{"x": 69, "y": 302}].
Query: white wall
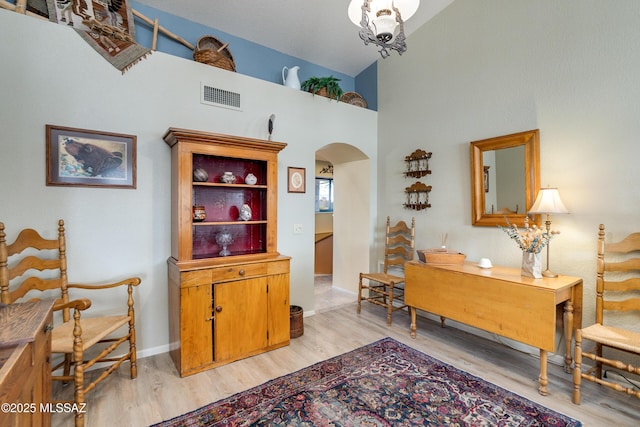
[
  {"x": 51, "y": 76},
  {"x": 352, "y": 235},
  {"x": 487, "y": 68}
]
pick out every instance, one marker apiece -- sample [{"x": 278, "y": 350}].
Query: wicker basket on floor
[{"x": 211, "y": 51}]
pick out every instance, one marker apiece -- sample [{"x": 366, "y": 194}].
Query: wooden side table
[
  {"x": 25, "y": 363},
  {"x": 498, "y": 300}
]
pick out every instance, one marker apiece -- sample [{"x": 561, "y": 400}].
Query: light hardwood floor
[
  {"x": 329, "y": 297},
  {"x": 159, "y": 393}
]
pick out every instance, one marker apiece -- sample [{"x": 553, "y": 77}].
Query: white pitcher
[{"x": 291, "y": 79}]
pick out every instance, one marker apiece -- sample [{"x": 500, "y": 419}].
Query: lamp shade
[
  {"x": 406, "y": 7},
  {"x": 548, "y": 202}
]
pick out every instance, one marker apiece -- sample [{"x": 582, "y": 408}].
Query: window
[{"x": 324, "y": 195}]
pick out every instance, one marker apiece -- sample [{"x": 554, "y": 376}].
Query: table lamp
[{"x": 548, "y": 202}]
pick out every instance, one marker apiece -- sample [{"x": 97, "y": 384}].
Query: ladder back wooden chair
[
  {"x": 33, "y": 263},
  {"x": 387, "y": 289},
  {"x": 617, "y": 289}
]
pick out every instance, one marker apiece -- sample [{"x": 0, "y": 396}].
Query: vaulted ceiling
[{"x": 316, "y": 31}]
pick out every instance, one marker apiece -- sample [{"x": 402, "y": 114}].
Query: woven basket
[
  {"x": 211, "y": 51},
  {"x": 441, "y": 256},
  {"x": 324, "y": 92}
]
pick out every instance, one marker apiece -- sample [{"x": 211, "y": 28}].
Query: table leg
[
  {"x": 543, "y": 379},
  {"x": 413, "y": 310},
  {"x": 568, "y": 334}
]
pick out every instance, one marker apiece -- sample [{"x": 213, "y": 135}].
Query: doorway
[{"x": 344, "y": 231}]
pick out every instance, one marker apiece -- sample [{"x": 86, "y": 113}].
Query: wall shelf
[
  {"x": 417, "y": 196},
  {"x": 417, "y": 164}
]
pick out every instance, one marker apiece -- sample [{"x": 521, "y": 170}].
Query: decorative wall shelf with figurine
[
  {"x": 417, "y": 196},
  {"x": 417, "y": 164}
]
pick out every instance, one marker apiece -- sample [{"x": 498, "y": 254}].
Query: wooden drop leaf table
[{"x": 498, "y": 300}]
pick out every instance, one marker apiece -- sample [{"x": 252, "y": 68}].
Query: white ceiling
[{"x": 317, "y": 31}]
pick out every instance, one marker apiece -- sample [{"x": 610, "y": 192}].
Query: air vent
[{"x": 219, "y": 97}]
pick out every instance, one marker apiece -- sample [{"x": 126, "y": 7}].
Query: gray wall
[
  {"x": 495, "y": 67},
  {"x": 51, "y": 76}
]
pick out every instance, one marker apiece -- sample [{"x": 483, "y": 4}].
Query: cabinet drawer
[
  {"x": 195, "y": 278},
  {"x": 278, "y": 267},
  {"x": 232, "y": 272}
]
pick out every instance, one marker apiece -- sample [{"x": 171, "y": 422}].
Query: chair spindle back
[
  {"x": 30, "y": 251},
  {"x": 617, "y": 295},
  {"x": 399, "y": 243}
]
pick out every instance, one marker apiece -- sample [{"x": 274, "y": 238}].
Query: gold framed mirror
[{"x": 505, "y": 178}]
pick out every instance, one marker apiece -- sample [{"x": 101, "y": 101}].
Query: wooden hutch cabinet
[{"x": 228, "y": 285}]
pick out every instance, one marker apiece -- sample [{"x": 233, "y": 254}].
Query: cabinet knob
[
  {"x": 241, "y": 272},
  {"x": 218, "y": 309}
]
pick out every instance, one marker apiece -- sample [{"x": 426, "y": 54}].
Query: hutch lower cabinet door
[
  {"x": 222, "y": 314},
  {"x": 279, "y": 326},
  {"x": 240, "y": 318}
]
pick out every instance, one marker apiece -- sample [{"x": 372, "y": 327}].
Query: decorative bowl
[
  {"x": 200, "y": 175},
  {"x": 199, "y": 213},
  {"x": 228, "y": 178}
]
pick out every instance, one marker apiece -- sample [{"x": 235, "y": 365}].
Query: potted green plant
[{"x": 323, "y": 86}]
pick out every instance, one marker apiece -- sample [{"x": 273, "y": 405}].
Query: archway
[{"x": 351, "y": 214}]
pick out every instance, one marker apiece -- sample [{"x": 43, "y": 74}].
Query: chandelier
[
  {"x": 327, "y": 169},
  {"x": 382, "y": 22}
]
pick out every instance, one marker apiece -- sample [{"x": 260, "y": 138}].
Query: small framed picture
[
  {"x": 90, "y": 158},
  {"x": 296, "y": 180}
]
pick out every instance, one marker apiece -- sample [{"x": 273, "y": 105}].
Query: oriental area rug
[{"x": 385, "y": 383}]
